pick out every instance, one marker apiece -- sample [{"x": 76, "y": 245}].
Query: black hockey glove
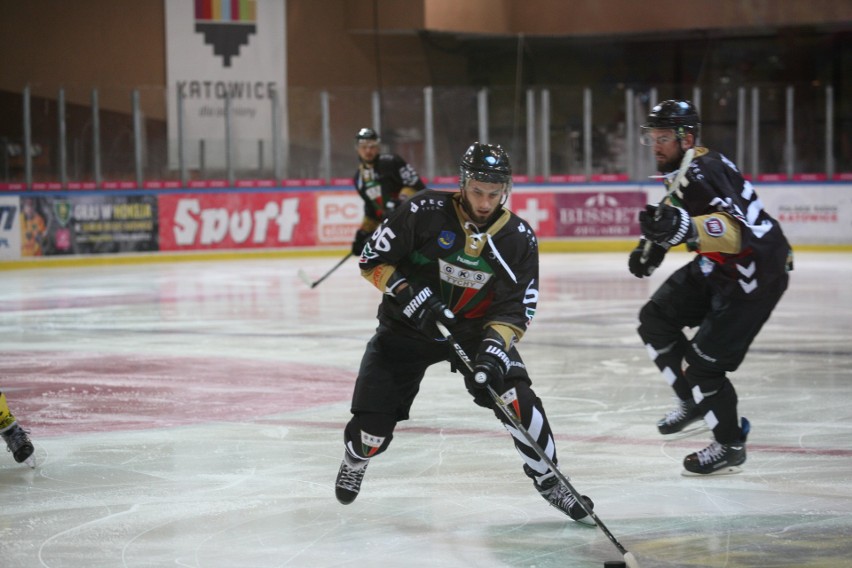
[
  {"x": 639, "y": 265},
  {"x": 423, "y": 308},
  {"x": 667, "y": 225},
  {"x": 491, "y": 365},
  {"x": 360, "y": 240}
]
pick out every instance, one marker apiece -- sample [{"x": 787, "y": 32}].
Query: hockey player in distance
[
  {"x": 17, "y": 441},
  {"x": 464, "y": 260},
  {"x": 382, "y": 181},
  {"x": 727, "y": 291}
]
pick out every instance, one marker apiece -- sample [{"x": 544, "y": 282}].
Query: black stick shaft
[
  {"x": 335, "y": 267},
  {"x": 516, "y": 423}
]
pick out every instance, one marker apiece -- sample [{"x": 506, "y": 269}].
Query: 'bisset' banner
[{"x": 223, "y": 53}]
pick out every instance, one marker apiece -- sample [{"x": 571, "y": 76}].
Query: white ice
[{"x": 190, "y": 414}]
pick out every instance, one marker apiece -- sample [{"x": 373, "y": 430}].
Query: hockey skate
[
  {"x": 19, "y": 444},
  {"x": 718, "y": 459},
  {"x": 560, "y": 497},
  {"x": 349, "y": 478},
  {"x": 676, "y": 420}
]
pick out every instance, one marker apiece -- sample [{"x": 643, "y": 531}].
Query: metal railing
[{"x": 552, "y": 134}]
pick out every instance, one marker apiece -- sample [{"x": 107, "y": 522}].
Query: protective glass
[{"x": 651, "y": 139}]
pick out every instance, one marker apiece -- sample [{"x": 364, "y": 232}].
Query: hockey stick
[
  {"x": 315, "y": 283},
  {"x": 674, "y": 187},
  {"x": 629, "y": 559}
]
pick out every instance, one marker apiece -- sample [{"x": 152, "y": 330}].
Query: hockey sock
[
  {"x": 368, "y": 434},
  {"x": 669, "y": 360},
  {"x": 717, "y": 400},
  {"x": 527, "y": 406}
]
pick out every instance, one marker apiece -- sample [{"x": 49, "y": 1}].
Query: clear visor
[{"x": 652, "y": 137}]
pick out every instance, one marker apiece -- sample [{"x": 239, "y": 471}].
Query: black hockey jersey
[
  {"x": 713, "y": 184},
  {"x": 379, "y": 184},
  {"x": 485, "y": 276}
]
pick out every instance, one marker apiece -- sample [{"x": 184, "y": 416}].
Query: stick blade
[
  {"x": 305, "y": 278},
  {"x": 630, "y": 560}
]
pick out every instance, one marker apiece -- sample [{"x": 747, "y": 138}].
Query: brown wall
[
  {"x": 622, "y": 17},
  {"x": 331, "y": 43},
  {"x": 117, "y": 45},
  {"x": 80, "y": 45}
]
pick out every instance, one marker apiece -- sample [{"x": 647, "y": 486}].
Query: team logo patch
[
  {"x": 446, "y": 239},
  {"x": 714, "y": 227},
  {"x": 370, "y": 444}
]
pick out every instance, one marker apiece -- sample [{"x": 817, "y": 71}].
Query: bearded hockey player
[
  {"x": 727, "y": 291},
  {"x": 466, "y": 261},
  {"x": 383, "y": 181}
]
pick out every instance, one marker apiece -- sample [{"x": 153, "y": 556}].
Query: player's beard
[
  {"x": 477, "y": 219},
  {"x": 672, "y": 164}
]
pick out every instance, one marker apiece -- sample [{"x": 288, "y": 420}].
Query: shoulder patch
[
  {"x": 714, "y": 227},
  {"x": 446, "y": 239}
]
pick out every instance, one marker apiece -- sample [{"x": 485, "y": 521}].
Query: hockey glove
[
  {"x": 639, "y": 265},
  {"x": 491, "y": 365},
  {"x": 423, "y": 308},
  {"x": 360, "y": 240},
  {"x": 667, "y": 225}
]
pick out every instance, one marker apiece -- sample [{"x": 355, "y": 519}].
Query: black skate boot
[
  {"x": 19, "y": 444},
  {"x": 349, "y": 478},
  {"x": 560, "y": 497},
  {"x": 718, "y": 459},
  {"x": 676, "y": 420}
]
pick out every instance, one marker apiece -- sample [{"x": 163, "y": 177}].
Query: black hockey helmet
[
  {"x": 680, "y": 116},
  {"x": 365, "y": 134},
  {"x": 486, "y": 162}
]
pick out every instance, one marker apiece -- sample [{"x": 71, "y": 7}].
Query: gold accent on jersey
[
  {"x": 730, "y": 242},
  {"x": 508, "y": 333},
  {"x": 474, "y": 243},
  {"x": 379, "y": 275}
]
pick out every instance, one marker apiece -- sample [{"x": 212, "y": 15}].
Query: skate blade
[
  {"x": 30, "y": 461},
  {"x": 730, "y": 470}
]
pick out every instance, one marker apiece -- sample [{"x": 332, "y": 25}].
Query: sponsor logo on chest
[{"x": 464, "y": 276}]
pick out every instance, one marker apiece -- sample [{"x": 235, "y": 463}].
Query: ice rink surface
[{"x": 190, "y": 414}]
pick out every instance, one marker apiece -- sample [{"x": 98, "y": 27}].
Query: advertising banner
[
  {"x": 224, "y": 53},
  {"x": 10, "y": 229},
  {"x": 582, "y": 214},
  {"x": 810, "y": 214},
  {"x": 209, "y": 221},
  {"x": 87, "y": 224},
  {"x": 339, "y": 215}
]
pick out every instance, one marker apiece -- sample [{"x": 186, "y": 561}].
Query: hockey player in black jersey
[
  {"x": 463, "y": 259},
  {"x": 383, "y": 181},
  {"x": 727, "y": 291}
]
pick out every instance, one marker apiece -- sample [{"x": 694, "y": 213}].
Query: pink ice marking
[{"x": 62, "y": 393}]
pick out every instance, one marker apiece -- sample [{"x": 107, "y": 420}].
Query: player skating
[
  {"x": 464, "y": 260},
  {"x": 17, "y": 441},
  {"x": 727, "y": 292},
  {"x": 383, "y": 181}
]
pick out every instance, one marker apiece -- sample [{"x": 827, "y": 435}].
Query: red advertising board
[
  {"x": 581, "y": 214},
  {"x": 244, "y": 220},
  {"x": 200, "y": 221}
]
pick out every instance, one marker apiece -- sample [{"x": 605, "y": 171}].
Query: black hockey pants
[
  {"x": 392, "y": 368},
  {"x": 726, "y": 328}
]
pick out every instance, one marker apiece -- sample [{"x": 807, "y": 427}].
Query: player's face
[
  {"x": 668, "y": 149},
  {"x": 482, "y": 199},
  {"x": 368, "y": 150}
]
